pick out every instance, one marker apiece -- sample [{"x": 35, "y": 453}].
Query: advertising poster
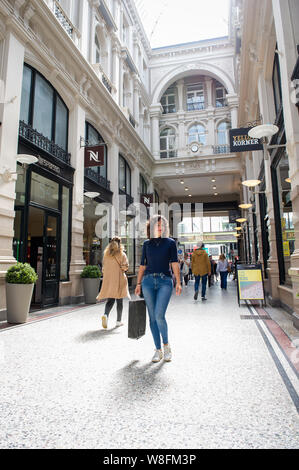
[{"x": 250, "y": 283}]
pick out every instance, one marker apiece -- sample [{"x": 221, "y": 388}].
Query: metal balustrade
[{"x": 40, "y": 141}]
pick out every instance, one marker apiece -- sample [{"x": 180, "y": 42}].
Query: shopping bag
[{"x": 137, "y": 319}]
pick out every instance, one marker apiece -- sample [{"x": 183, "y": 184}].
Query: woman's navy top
[{"x": 157, "y": 254}]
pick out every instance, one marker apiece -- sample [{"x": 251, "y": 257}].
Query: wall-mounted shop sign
[
  {"x": 94, "y": 156},
  {"x": 147, "y": 199},
  {"x": 250, "y": 282},
  {"x": 241, "y": 142},
  {"x": 49, "y": 165}
]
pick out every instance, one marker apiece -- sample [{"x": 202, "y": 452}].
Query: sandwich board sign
[{"x": 250, "y": 282}]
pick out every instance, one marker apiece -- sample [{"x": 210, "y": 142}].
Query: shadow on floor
[
  {"x": 96, "y": 335},
  {"x": 137, "y": 382}
]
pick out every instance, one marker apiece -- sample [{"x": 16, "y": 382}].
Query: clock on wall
[{"x": 194, "y": 148}]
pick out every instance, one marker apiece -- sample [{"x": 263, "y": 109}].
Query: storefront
[{"x": 43, "y": 190}]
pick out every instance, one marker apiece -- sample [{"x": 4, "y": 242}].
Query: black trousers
[{"x": 119, "y": 307}]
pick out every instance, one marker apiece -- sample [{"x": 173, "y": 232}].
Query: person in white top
[{"x": 222, "y": 268}]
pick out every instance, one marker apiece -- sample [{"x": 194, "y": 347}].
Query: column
[
  {"x": 12, "y": 63},
  {"x": 136, "y": 94},
  {"x": 211, "y": 131},
  {"x": 232, "y": 101},
  {"x": 141, "y": 125},
  {"x": 155, "y": 115},
  {"x": 121, "y": 82},
  {"x": 180, "y": 88},
  {"x": 84, "y": 27},
  {"x": 77, "y": 130},
  {"x": 116, "y": 71},
  {"x": 287, "y": 59},
  {"x": 209, "y": 93}
]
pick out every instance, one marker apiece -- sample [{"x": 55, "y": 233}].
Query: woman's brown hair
[
  {"x": 114, "y": 247},
  {"x": 222, "y": 257},
  {"x": 150, "y": 226}
]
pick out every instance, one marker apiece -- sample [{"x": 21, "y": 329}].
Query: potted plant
[
  {"x": 91, "y": 283},
  {"x": 20, "y": 280}
]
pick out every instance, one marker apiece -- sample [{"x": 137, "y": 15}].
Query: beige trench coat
[{"x": 115, "y": 282}]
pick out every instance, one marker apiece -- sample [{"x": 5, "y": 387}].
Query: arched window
[
  {"x": 43, "y": 109},
  {"x": 97, "y": 50},
  {"x": 167, "y": 143},
  {"x": 93, "y": 137},
  {"x": 197, "y": 133},
  {"x": 168, "y": 100},
  {"x": 124, "y": 176},
  {"x": 222, "y": 133}
]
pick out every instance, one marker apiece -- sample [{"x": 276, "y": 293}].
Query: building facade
[
  {"x": 267, "y": 67},
  {"x": 81, "y": 74}
]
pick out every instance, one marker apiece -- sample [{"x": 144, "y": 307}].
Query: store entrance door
[{"x": 43, "y": 255}]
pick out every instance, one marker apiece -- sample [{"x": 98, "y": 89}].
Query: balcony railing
[
  {"x": 169, "y": 154},
  {"x": 132, "y": 120},
  {"x": 103, "y": 77},
  {"x": 63, "y": 19},
  {"x": 97, "y": 178},
  {"x": 221, "y": 149},
  {"x": 40, "y": 141},
  {"x": 195, "y": 106}
]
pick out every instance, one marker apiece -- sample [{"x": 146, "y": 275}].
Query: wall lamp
[
  {"x": 24, "y": 160},
  {"x": 90, "y": 195},
  {"x": 265, "y": 131}
]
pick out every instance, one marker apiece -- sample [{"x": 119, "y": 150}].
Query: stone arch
[{"x": 191, "y": 69}]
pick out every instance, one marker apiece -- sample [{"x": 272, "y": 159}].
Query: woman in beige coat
[{"x": 115, "y": 283}]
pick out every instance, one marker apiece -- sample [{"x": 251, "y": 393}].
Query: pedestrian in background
[
  {"x": 201, "y": 268},
  {"x": 158, "y": 253},
  {"x": 115, "y": 283},
  {"x": 222, "y": 268},
  {"x": 186, "y": 268},
  {"x": 211, "y": 276}
]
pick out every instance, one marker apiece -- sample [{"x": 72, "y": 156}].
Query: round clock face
[{"x": 194, "y": 148}]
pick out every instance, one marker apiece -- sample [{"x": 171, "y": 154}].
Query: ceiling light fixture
[
  {"x": 251, "y": 183},
  {"x": 245, "y": 206},
  {"x": 241, "y": 220}
]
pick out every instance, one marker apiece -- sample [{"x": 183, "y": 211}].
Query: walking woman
[
  {"x": 222, "y": 268},
  {"x": 115, "y": 283},
  {"x": 158, "y": 253}
]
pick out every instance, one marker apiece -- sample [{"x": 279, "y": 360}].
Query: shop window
[
  {"x": 44, "y": 191},
  {"x": 167, "y": 143},
  {"x": 93, "y": 245},
  {"x": 65, "y": 228},
  {"x": 285, "y": 234},
  {"x": 197, "y": 133}
]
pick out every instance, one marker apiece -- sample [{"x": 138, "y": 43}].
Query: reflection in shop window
[{"x": 94, "y": 242}]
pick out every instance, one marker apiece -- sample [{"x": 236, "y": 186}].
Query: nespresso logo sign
[
  {"x": 147, "y": 199},
  {"x": 94, "y": 156},
  {"x": 241, "y": 142}
]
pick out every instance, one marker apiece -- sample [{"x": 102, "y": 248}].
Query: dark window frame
[
  {"x": 127, "y": 167},
  {"x": 34, "y": 73}
]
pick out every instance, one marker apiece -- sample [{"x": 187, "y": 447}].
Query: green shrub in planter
[
  {"x": 91, "y": 272},
  {"x": 21, "y": 273},
  {"x": 20, "y": 280}
]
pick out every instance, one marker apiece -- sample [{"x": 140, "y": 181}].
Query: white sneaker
[
  {"x": 119, "y": 323},
  {"x": 104, "y": 321},
  {"x": 167, "y": 353},
  {"x": 157, "y": 356}
]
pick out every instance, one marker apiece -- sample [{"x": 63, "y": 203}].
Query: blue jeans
[
  {"x": 157, "y": 290},
  {"x": 223, "y": 276},
  {"x": 204, "y": 279}
]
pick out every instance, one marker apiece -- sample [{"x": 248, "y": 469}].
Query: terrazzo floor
[{"x": 68, "y": 384}]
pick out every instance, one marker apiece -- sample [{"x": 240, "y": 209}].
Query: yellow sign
[{"x": 286, "y": 248}]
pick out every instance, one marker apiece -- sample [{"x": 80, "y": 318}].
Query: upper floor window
[
  {"x": 168, "y": 101},
  {"x": 43, "y": 109},
  {"x": 97, "y": 50},
  {"x": 142, "y": 185},
  {"x": 195, "y": 97},
  {"x": 220, "y": 95},
  {"x": 276, "y": 82},
  {"x": 124, "y": 176},
  {"x": 93, "y": 137},
  {"x": 197, "y": 133},
  {"x": 223, "y": 133},
  {"x": 167, "y": 143}
]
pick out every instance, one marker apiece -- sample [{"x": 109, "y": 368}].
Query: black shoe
[
  {"x": 203, "y": 298},
  {"x": 196, "y": 295}
]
